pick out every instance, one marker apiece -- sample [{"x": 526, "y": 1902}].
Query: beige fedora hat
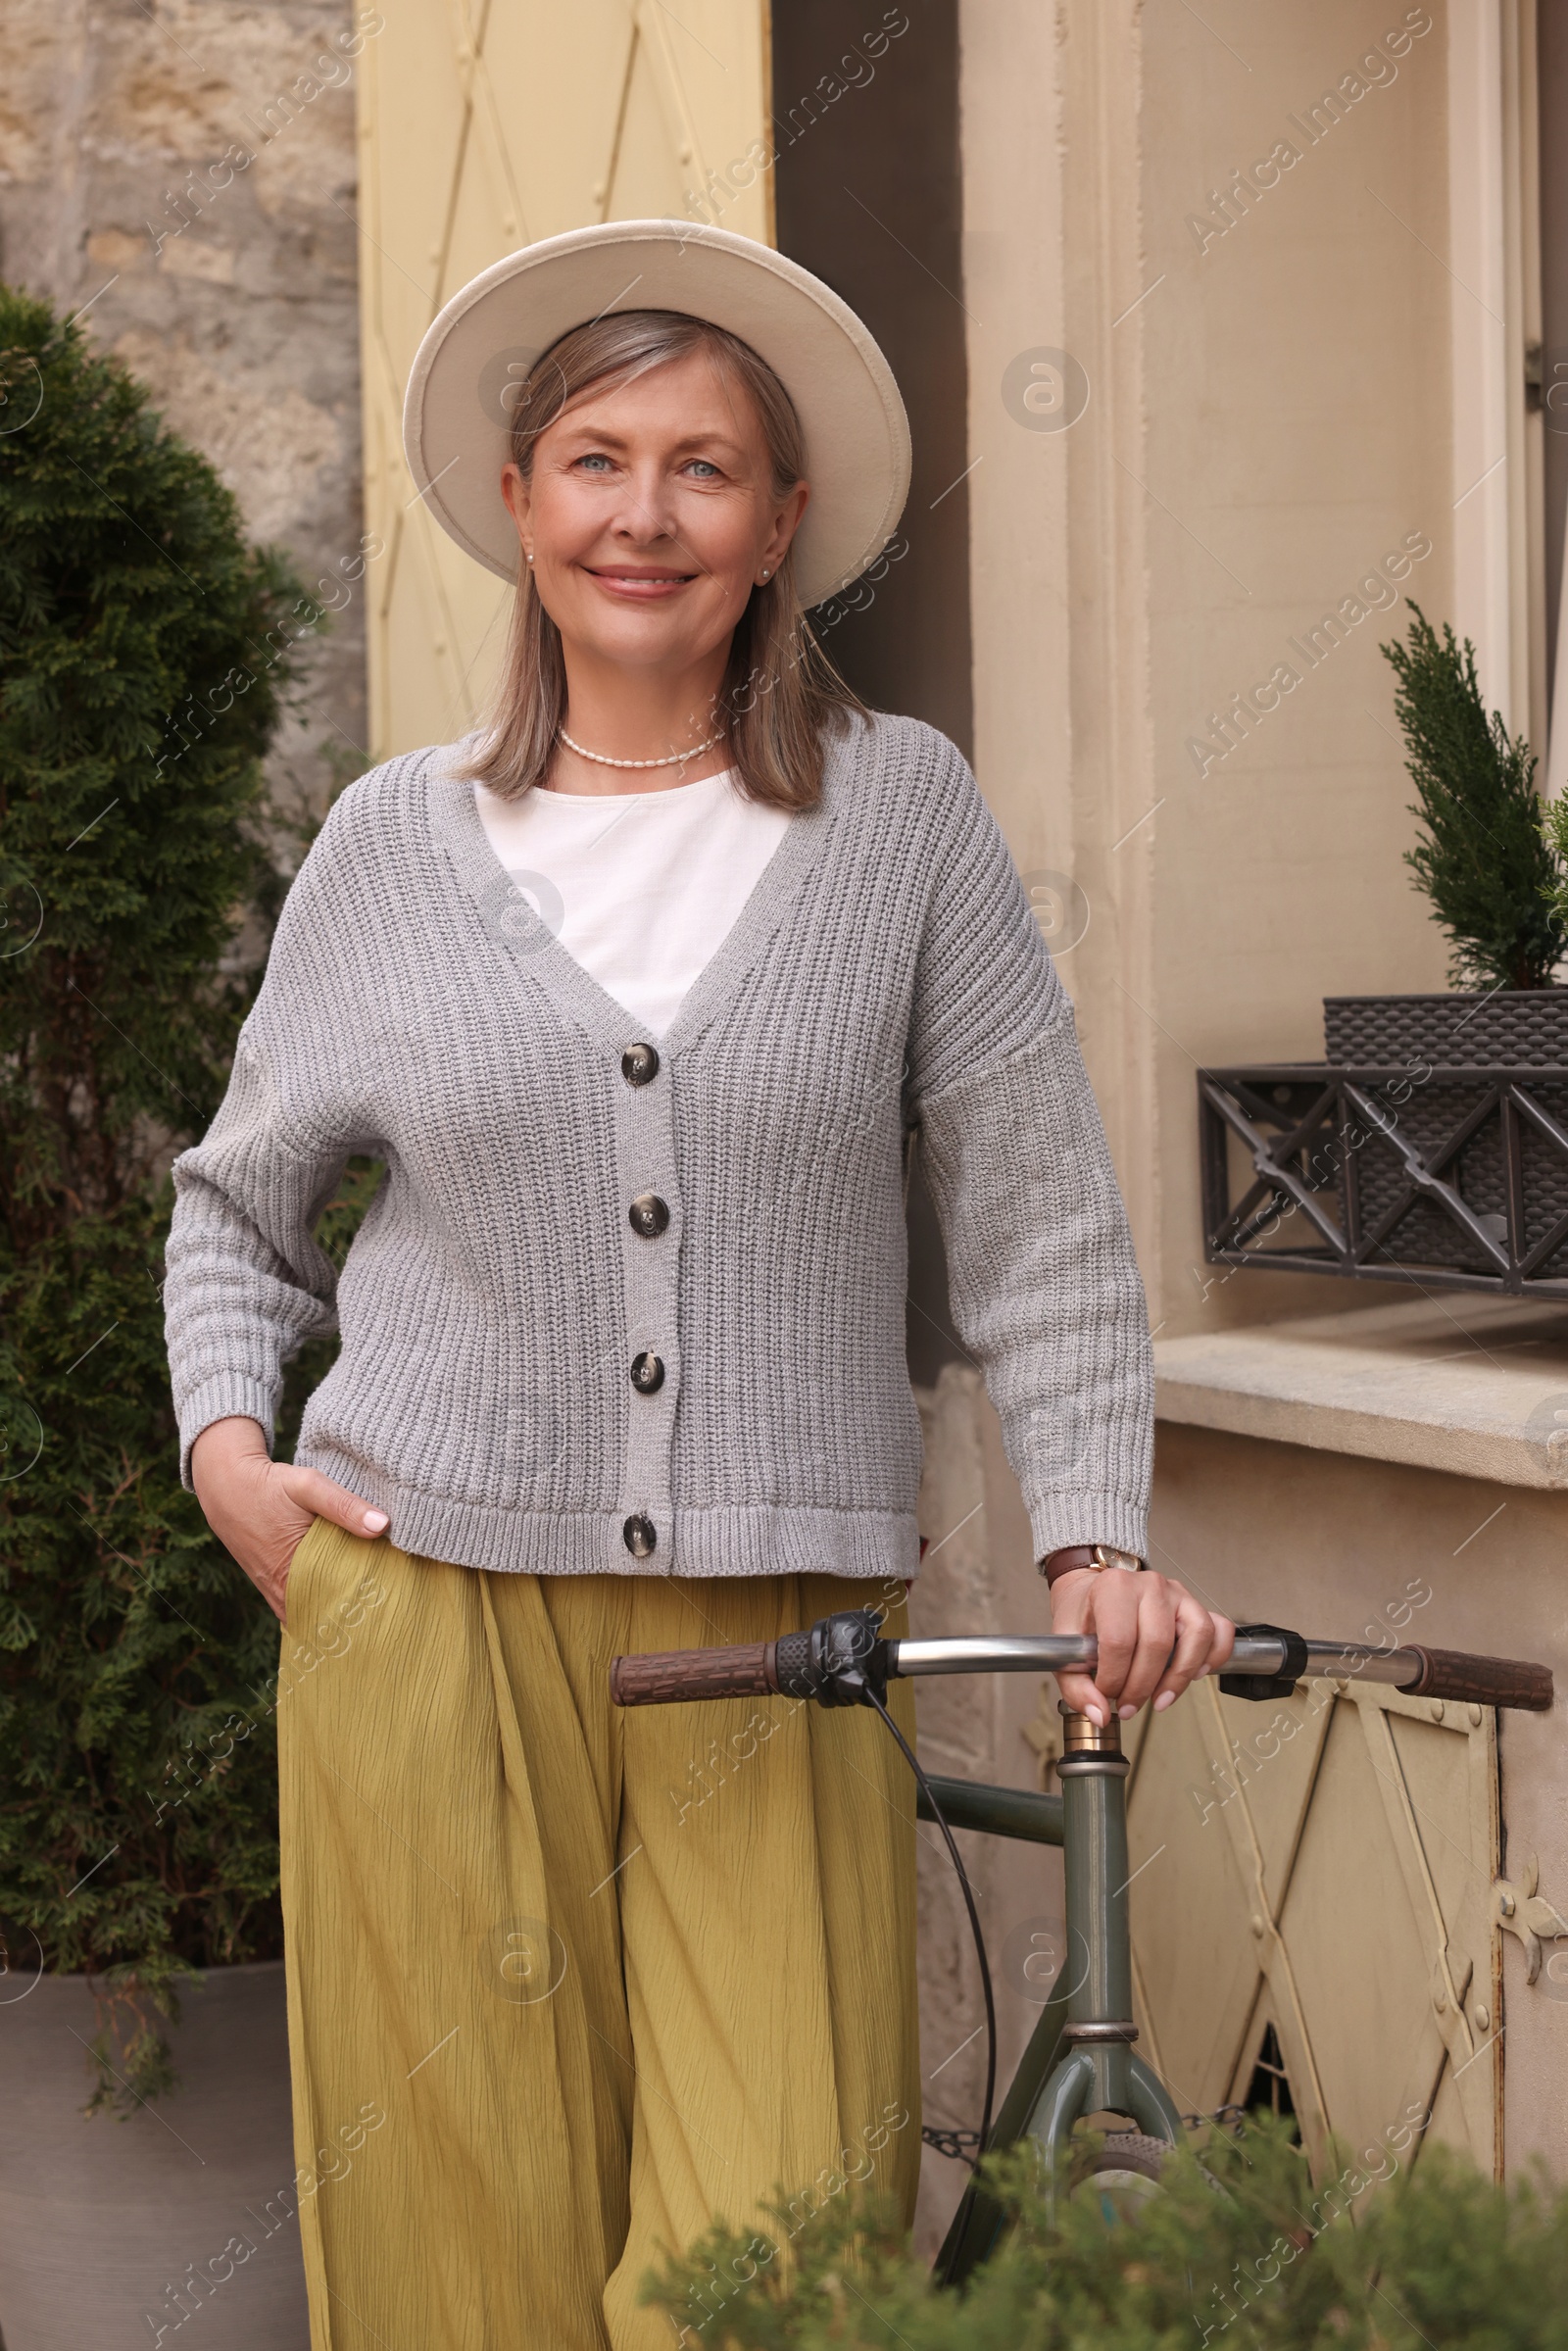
[{"x": 456, "y": 423}]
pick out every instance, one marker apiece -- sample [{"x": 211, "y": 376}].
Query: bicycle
[{"x": 1080, "y": 2059}]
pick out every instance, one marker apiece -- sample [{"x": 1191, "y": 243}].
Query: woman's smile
[{"x": 639, "y": 585}]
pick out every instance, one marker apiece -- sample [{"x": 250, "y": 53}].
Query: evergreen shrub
[
  {"x": 1555, "y": 829},
  {"x": 1237, "y": 2252},
  {"x": 1493, "y": 878},
  {"x": 145, "y": 655}
]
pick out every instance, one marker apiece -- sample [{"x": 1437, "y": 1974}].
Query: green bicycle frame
[{"x": 1080, "y": 2059}]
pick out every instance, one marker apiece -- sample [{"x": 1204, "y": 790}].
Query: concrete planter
[{"x": 176, "y": 2227}]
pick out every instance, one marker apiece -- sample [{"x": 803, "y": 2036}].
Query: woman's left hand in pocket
[{"x": 261, "y": 1510}]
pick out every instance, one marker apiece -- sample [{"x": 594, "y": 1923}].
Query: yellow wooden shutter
[
  {"x": 481, "y": 128},
  {"x": 1323, "y": 1868}
]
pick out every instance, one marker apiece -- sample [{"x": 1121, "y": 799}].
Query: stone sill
[{"x": 1476, "y": 1385}]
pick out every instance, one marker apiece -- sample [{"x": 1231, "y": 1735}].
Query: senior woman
[{"x": 640, "y": 992}]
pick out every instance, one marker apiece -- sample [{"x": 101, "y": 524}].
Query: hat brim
[{"x": 457, "y": 424}]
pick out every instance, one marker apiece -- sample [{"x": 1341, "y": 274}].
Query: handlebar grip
[
  {"x": 1484, "y": 1681},
  {"x": 674, "y": 1674}
]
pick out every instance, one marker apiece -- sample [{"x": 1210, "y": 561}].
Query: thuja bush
[
  {"x": 1492, "y": 878},
  {"x": 145, "y": 655},
  {"x": 1236, "y": 2251},
  {"x": 1554, "y": 831}
]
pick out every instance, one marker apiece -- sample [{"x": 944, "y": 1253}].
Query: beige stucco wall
[
  {"x": 1313, "y": 446},
  {"x": 1268, "y": 417}
]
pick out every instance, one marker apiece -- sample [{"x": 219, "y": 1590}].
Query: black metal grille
[{"x": 1450, "y": 1177}]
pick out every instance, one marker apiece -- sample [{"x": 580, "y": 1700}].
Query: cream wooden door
[
  {"x": 484, "y": 124},
  {"x": 1324, "y": 1866}
]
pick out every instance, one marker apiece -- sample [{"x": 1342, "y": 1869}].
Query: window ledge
[{"x": 1474, "y": 1386}]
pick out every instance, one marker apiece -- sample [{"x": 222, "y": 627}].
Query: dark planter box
[
  {"x": 1430, "y": 1146},
  {"x": 1524, "y": 1031},
  {"x": 1519, "y": 1028}
]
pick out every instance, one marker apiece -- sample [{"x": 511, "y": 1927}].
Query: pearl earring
[{"x": 765, "y": 574}]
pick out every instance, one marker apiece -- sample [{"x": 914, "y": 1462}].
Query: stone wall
[{"x": 183, "y": 175}]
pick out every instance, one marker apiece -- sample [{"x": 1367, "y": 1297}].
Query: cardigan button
[
  {"x": 639, "y": 1064},
  {"x": 649, "y": 1215},
  {"x": 647, "y": 1374},
  {"x": 638, "y": 1535}
]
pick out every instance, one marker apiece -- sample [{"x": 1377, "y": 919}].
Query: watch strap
[{"x": 1097, "y": 1555}]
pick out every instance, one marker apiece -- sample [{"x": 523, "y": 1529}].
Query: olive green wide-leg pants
[{"x": 566, "y": 1982}]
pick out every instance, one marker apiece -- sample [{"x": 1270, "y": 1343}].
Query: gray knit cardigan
[{"x": 886, "y": 973}]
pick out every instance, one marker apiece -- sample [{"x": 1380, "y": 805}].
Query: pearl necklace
[{"x": 602, "y": 758}]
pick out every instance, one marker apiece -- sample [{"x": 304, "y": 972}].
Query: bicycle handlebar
[
  {"x": 810, "y": 1665},
  {"x": 1418, "y": 1671}
]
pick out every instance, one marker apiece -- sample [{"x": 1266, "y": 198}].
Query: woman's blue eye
[
  {"x": 594, "y": 457},
  {"x": 706, "y": 466}
]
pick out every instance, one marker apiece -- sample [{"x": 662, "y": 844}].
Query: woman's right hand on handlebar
[
  {"x": 1155, "y": 1639},
  {"x": 261, "y": 1509}
]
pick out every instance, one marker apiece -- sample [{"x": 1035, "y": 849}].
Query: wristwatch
[{"x": 1088, "y": 1554}]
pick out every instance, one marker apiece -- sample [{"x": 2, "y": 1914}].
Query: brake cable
[
  {"x": 841, "y": 1662},
  {"x": 974, "y": 1925}
]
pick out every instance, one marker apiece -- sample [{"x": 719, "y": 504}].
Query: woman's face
[{"x": 650, "y": 515}]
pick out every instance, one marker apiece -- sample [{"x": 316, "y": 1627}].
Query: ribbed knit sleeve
[
  {"x": 1044, "y": 1284},
  {"x": 246, "y": 1283}
]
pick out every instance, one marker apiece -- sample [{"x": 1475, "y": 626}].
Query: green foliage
[
  {"x": 1555, "y": 832},
  {"x": 1241, "y": 2250},
  {"x": 1491, "y": 876},
  {"x": 144, "y": 653}
]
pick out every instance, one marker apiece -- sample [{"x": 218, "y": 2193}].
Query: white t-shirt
[{"x": 642, "y": 888}]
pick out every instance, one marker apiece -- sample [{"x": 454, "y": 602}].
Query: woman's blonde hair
[{"x": 781, "y": 694}]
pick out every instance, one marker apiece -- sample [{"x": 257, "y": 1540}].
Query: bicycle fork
[{"x": 1099, "y": 2071}]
